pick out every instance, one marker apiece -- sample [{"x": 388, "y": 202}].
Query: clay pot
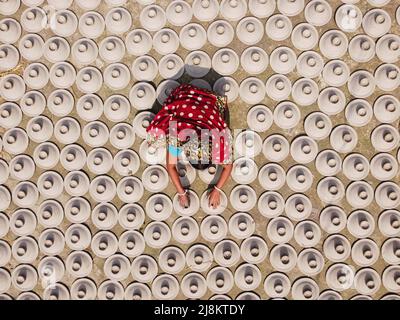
[
  {"x": 280, "y": 230},
  {"x": 283, "y": 60},
  {"x": 389, "y": 223},
  {"x": 340, "y": 276},
  {"x": 131, "y": 243},
  {"x": 304, "y": 36},
  {"x": 185, "y": 230},
  {"x": 171, "y": 66},
  {"x": 233, "y": 10},
  {"x": 310, "y": 262},
  {"x": 10, "y": 30},
  {"x": 220, "y": 33},
  {"x": 283, "y": 257},
  {"x": 110, "y": 290},
  {"x": 359, "y": 194},
  {"x": 103, "y": 188},
  {"x": 278, "y": 87},
  {"x": 330, "y": 190},
  {"x": 252, "y": 90},
  {"x": 77, "y": 210},
  {"x": 83, "y": 289},
  {"x": 278, "y": 27},
  {"x": 78, "y": 237},
  {"x": 63, "y": 23},
  {"x": 336, "y": 248},
  {"x": 194, "y": 286},
  {"x": 104, "y": 216},
  {"x": 73, "y": 157},
  {"x": 157, "y": 234},
  {"x": 309, "y": 63},
  {"x": 205, "y": 10},
  {"x": 286, "y": 115},
  {"x": 50, "y": 214},
  {"x": 365, "y": 252},
  {"x": 376, "y": 23},
  {"x": 387, "y": 77},
  {"x": 298, "y": 207},
  {"x": 172, "y": 260},
  {"x": 104, "y": 244},
  {"x": 362, "y": 48},
  {"x": 25, "y": 250},
  {"x": 277, "y": 285},
  {"x": 79, "y": 264},
  {"x": 333, "y": 44},
  {"x": 220, "y": 280},
  {"x": 118, "y": 20},
  {"x": 117, "y": 267},
  {"x": 137, "y": 291},
  {"x": 303, "y": 149},
  {"x": 199, "y": 258},
  {"x": 165, "y": 287},
  {"x": 213, "y": 228},
  {"x": 226, "y": 253},
  {"x": 272, "y": 176},
  {"x": 367, "y": 281},
  {"x": 51, "y": 242},
  {"x": 179, "y": 13},
  {"x": 56, "y": 49},
  {"x": 387, "y": 48},
  {"x": 276, "y": 148},
  {"x": 24, "y": 277},
  {"x": 271, "y": 204}
]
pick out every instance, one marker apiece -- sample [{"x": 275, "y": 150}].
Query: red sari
[{"x": 192, "y": 110}]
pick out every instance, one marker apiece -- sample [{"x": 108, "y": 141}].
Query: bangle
[
  {"x": 183, "y": 193},
  {"x": 215, "y": 187}
]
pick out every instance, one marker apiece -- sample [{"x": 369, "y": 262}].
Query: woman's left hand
[{"x": 214, "y": 199}]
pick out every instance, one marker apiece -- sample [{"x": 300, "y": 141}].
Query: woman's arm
[
  {"x": 214, "y": 199},
  {"x": 173, "y": 173}
]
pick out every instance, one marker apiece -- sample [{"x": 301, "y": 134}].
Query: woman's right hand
[{"x": 184, "y": 200}]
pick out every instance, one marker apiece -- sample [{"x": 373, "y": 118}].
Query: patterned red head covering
[{"x": 189, "y": 117}]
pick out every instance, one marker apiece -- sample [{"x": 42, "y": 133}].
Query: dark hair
[{"x": 200, "y": 165}]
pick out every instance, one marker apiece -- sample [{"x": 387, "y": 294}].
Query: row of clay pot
[{"x": 219, "y": 280}]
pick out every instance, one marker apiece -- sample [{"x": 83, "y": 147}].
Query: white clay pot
[
  {"x": 117, "y": 267},
  {"x": 318, "y": 125},
  {"x": 33, "y": 103},
  {"x": 348, "y": 17},
  {"x": 10, "y": 115},
  {"x": 78, "y": 237},
  {"x": 299, "y": 178},
  {"x": 277, "y": 285},
  {"x": 213, "y": 228},
  {"x": 103, "y": 188},
  {"x": 104, "y": 216},
  {"x": 110, "y": 290},
  {"x": 358, "y": 112},
  {"x": 243, "y": 198},
  {"x": 241, "y": 225},
  {"x": 390, "y": 279},
  {"x": 286, "y": 115},
  {"x": 9, "y": 57},
  {"x": 179, "y": 13},
  {"x": 25, "y": 194},
  {"x": 131, "y": 243},
  {"x": 376, "y": 23},
  {"x": 298, "y": 207},
  {"x": 185, "y": 230},
  {"x": 199, "y": 258},
  {"x": 333, "y": 44},
  {"x": 390, "y": 251},
  {"x": 359, "y": 194},
  {"x": 95, "y": 134},
  {"x": 73, "y": 157},
  {"x": 205, "y": 10},
  {"x": 166, "y": 41},
  {"x": 387, "y": 195},
  {"x": 10, "y": 30},
  {"x": 331, "y": 101},
  {"x": 51, "y": 242},
  {"x": 272, "y": 176},
  {"x": 99, "y": 161},
  {"x": 5, "y": 251},
  {"x": 130, "y": 189},
  {"x": 254, "y": 250},
  {"x": 138, "y": 42},
  {"x": 307, "y": 234},
  {"x": 88, "y": 5},
  {"x": 250, "y": 30},
  {"x": 389, "y": 223},
  {"x": 362, "y": 48},
  {"x": 309, "y": 64},
  {"x": 340, "y": 276},
  {"x": 83, "y": 289},
  {"x": 328, "y": 163},
  {"x": 304, "y": 36},
  {"x": 159, "y": 207},
  {"x": 79, "y": 264},
  {"x": 194, "y": 204},
  {"x": 25, "y": 249},
  {"x": 104, "y": 244},
  {"x": 60, "y": 102},
  {"x": 220, "y": 33},
  {"x": 233, "y": 10},
  {"x": 63, "y": 23},
  {"x": 361, "y": 84},
  {"x": 254, "y": 60},
  {"x": 280, "y": 230},
  {"x": 118, "y": 20},
  {"x": 336, "y": 248},
  {"x": 283, "y": 60},
  {"x": 220, "y": 280},
  {"x": 112, "y": 49},
  {"x": 367, "y": 281},
  {"x": 24, "y": 277},
  {"x": 62, "y": 75},
  {"x": 384, "y": 166},
  {"x": 310, "y": 262},
  {"x": 56, "y": 49},
  {"x": 4, "y": 223},
  {"x": 122, "y": 136},
  {"x": 330, "y": 295},
  {"x": 51, "y": 270},
  {"x": 252, "y": 90},
  {"x": 23, "y": 222},
  {"x": 225, "y": 62},
  {"x": 336, "y": 73},
  {"x": 84, "y": 51},
  {"x": 198, "y": 63},
  {"x": 385, "y": 138},
  {"x": 343, "y": 138},
  {"x": 278, "y": 27},
  {"x": 330, "y": 190},
  {"x": 387, "y": 77},
  {"x": 247, "y": 277},
  {"x": 157, "y": 234},
  {"x": 142, "y": 96},
  {"x": 5, "y": 197},
  {"x": 276, "y": 148},
  {"x": 387, "y": 48},
  {"x": 117, "y": 76},
  {"x": 303, "y": 149},
  {"x": 89, "y": 80},
  {"x": 171, "y": 66},
  {"x": 365, "y": 252},
  {"x": 50, "y": 184},
  {"x": 22, "y": 167},
  {"x": 77, "y": 210},
  {"x": 153, "y": 18},
  {"x": 226, "y": 253},
  {"x": 12, "y": 87},
  {"x": 131, "y": 216},
  {"x": 278, "y": 87},
  {"x": 145, "y": 68},
  {"x": 31, "y": 47},
  {"x": 244, "y": 170},
  {"x": 172, "y": 260},
  {"x": 227, "y": 86},
  {"x": 137, "y": 291},
  {"x": 355, "y": 166},
  {"x": 40, "y": 129},
  {"x": 259, "y": 118},
  {"x": 332, "y": 219},
  {"x": 91, "y": 25},
  {"x": 50, "y": 214},
  {"x": 271, "y": 204},
  {"x": 194, "y": 286},
  {"x": 387, "y": 108},
  {"x": 283, "y": 257},
  {"x": 165, "y": 287},
  {"x": 305, "y": 92},
  {"x": 126, "y": 162}
]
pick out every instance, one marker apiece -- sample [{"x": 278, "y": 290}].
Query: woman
[{"x": 192, "y": 124}]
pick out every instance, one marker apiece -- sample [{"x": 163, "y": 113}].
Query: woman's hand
[
  {"x": 184, "y": 200},
  {"x": 214, "y": 199}
]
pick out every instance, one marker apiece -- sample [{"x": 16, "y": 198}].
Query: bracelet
[
  {"x": 215, "y": 187},
  {"x": 183, "y": 193}
]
